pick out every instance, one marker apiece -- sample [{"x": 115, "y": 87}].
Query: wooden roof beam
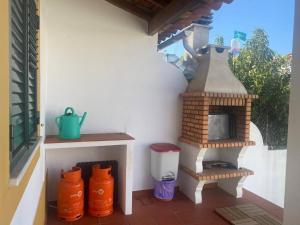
[
  {"x": 157, "y": 4},
  {"x": 171, "y": 13},
  {"x": 131, "y": 8}
]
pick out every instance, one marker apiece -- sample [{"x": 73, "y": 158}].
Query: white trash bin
[{"x": 164, "y": 161}]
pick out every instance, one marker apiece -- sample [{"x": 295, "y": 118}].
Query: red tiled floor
[{"x": 181, "y": 211}]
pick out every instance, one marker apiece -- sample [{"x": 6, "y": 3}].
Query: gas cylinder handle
[{"x": 109, "y": 170}]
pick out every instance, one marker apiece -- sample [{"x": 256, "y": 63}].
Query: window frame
[{"x": 19, "y": 156}]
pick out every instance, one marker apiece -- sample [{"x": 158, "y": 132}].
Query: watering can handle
[
  {"x": 69, "y": 108},
  {"x": 82, "y": 118},
  {"x": 57, "y": 120}
]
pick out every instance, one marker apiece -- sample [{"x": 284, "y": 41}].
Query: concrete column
[{"x": 292, "y": 195}]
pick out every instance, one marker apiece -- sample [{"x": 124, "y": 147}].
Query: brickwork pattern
[{"x": 197, "y": 107}]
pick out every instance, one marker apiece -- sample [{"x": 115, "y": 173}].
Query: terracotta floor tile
[{"x": 180, "y": 211}]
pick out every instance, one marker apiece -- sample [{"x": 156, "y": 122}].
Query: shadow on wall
[
  {"x": 269, "y": 169},
  {"x": 100, "y": 9},
  {"x": 141, "y": 159},
  {"x": 100, "y": 60}
]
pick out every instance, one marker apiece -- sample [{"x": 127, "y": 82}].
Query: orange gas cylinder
[
  {"x": 70, "y": 195},
  {"x": 101, "y": 186}
]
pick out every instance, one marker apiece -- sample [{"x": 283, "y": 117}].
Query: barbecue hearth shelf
[
  {"x": 230, "y": 180},
  {"x": 193, "y": 177},
  {"x": 229, "y": 143},
  {"x": 217, "y": 173}
]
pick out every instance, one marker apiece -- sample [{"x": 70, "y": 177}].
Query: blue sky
[{"x": 274, "y": 16}]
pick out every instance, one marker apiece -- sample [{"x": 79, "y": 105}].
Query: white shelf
[
  {"x": 89, "y": 140},
  {"x": 125, "y": 163}
]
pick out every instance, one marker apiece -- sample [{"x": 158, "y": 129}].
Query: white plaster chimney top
[{"x": 213, "y": 73}]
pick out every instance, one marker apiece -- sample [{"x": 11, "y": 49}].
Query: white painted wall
[
  {"x": 269, "y": 169},
  {"x": 292, "y": 195},
  {"x": 26, "y": 210},
  {"x": 101, "y": 60}
]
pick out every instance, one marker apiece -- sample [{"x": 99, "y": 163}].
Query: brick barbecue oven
[
  {"x": 199, "y": 106},
  {"x": 215, "y": 120}
]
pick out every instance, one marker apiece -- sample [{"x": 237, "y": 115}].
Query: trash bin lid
[{"x": 164, "y": 147}]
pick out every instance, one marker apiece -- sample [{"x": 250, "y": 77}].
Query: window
[{"x": 24, "y": 25}]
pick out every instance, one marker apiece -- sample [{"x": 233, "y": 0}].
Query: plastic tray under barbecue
[{"x": 218, "y": 164}]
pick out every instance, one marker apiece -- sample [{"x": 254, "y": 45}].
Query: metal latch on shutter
[
  {"x": 38, "y": 117},
  {"x": 37, "y": 22},
  {"x": 11, "y": 136}
]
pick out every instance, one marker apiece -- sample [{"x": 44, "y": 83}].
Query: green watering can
[{"x": 69, "y": 124}]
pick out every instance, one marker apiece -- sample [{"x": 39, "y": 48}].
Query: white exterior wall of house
[
  {"x": 269, "y": 169},
  {"x": 27, "y": 208},
  {"x": 292, "y": 195},
  {"x": 269, "y": 177},
  {"x": 100, "y": 60},
  {"x": 86, "y": 58}
]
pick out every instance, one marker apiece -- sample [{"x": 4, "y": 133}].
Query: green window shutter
[
  {"x": 18, "y": 80},
  {"x": 32, "y": 69},
  {"x": 23, "y": 78}
]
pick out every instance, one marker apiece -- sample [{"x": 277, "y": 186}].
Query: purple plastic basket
[{"x": 164, "y": 189}]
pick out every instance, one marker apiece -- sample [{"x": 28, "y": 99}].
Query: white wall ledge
[{"x": 16, "y": 177}]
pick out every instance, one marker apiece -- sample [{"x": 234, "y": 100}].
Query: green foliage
[
  {"x": 219, "y": 41},
  {"x": 267, "y": 74}
]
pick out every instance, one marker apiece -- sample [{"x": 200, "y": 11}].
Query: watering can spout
[{"x": 82, "y": 119}]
